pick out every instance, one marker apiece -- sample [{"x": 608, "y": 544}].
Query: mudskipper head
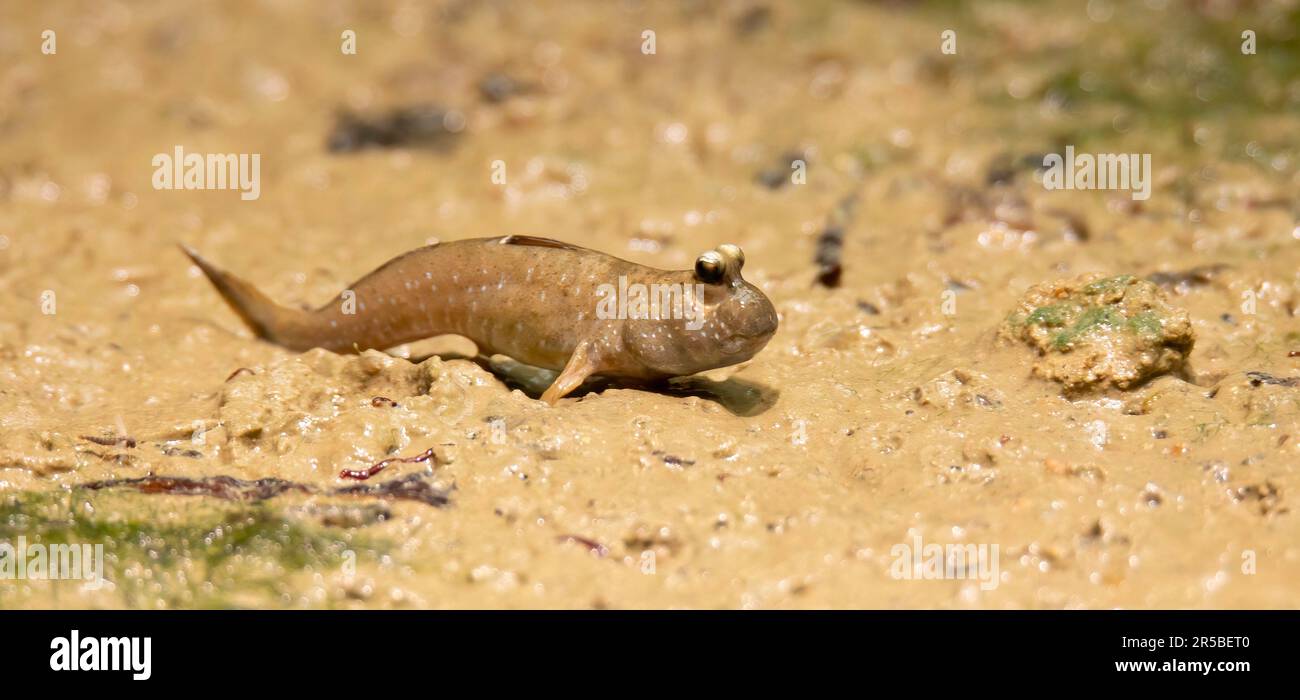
[{"x": 725, "y": 320}]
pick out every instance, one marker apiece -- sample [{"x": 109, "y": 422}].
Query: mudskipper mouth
[{"x": 735, "y": 344}]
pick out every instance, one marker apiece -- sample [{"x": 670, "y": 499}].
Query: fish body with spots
[{"x": 533, "y": 299}]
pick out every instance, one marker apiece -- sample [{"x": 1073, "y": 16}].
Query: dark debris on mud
[
  {"x": 414, "y": 126},
  {"x": 830, "y": 244},
  {"x": 412, "y": 487},
  {"x": 1260, "y": 378}
]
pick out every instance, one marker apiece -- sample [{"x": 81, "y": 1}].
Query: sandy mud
[{"x": 942, "y": 374}]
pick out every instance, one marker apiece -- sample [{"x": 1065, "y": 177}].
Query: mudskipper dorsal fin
[{"x": 539, "y": 242}]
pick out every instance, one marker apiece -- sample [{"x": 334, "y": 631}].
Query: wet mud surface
[{"x": 941, "y": 370}]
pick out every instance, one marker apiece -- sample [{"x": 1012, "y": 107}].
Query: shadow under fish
[{"x": 738, "y": 396}]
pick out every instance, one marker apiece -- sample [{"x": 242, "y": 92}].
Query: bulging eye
[
  {"x": 733, "y": 251},
  {"x": 708, "y": 268}
]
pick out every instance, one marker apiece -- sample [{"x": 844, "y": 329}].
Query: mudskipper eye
[
  {"x": 708, "y": 268},
  {"x": 734, "y": 252}
]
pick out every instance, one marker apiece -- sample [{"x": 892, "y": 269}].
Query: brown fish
[{"x": 542, "y": 302}]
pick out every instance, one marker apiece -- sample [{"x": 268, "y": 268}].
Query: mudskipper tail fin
[{"x": 268, "y": 320}]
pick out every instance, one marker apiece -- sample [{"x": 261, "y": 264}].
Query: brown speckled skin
[{"x": 532, "y": 299}]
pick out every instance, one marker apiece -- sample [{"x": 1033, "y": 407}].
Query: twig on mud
[
  {"x": 110, "y": 441},
  {"x": 592, "y": 546},
  {"x": 409, "y": 488},
  {"x": 363, "y": 474}
]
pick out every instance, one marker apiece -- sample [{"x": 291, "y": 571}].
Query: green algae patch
[
  {"x": 1097, "y": 331},
  {"x": 204, "y": 554}
]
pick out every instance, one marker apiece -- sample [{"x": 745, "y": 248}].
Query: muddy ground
[{"x": 137, "y": 411}]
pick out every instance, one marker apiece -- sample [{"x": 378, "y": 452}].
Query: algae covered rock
[{"x": 1095, "y": 331}]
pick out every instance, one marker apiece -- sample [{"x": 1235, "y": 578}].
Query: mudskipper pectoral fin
[{"x": 580, "y": 366}]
